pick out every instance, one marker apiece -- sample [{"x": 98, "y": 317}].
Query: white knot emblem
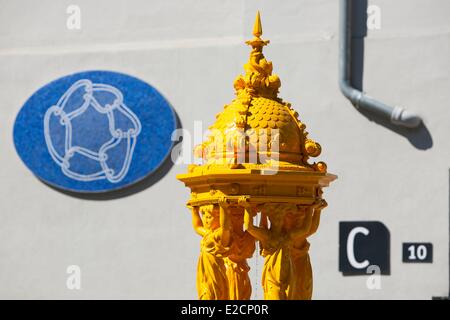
[{"x": 90, "y": 133}]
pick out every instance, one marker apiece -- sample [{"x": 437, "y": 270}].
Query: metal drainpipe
[{"x": 396, "y": 115}]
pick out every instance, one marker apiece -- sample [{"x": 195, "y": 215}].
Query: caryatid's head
[{"x": 210, "y": 216}]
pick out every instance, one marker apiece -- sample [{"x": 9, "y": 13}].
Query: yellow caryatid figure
[
  {"x": 213, "y": 226},
  {"x": 242, "y": 247},
  {"x": 303, "y": 286},
  {"x": 256, "y": 156},
  {"x": 279, "y": 276}
]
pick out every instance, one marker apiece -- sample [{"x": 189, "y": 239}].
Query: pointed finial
[
  {"x": 258, "y": 80},
  {"x": 257, "y": 42},
  {"x": 257, "y": 28}
]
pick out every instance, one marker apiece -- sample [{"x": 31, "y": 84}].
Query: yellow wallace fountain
[{"x": 255, "y": 162}]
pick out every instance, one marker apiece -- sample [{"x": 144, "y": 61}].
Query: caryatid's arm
[
  {"x": 303, "y": 230},
  {"x": 225, "y": 223},
  {"x": 316, "y": 217},
  {"x": 197, "y": 223},
  {"x": 258, "y": 233}
]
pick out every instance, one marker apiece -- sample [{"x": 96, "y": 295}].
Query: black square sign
[
  {"x": 363, "y": 244},
  {"x": 417, "y": 252}
]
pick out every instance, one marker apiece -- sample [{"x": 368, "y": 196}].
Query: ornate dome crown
[{"x": 258, "y": 127}]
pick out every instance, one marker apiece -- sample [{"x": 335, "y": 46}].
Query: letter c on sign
[{"x": 351, "y": 248}]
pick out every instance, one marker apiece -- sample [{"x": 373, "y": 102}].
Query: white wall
[{"x": 142, "y": 246}]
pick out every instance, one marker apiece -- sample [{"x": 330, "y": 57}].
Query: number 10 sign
[{"x": 415, "y": 252}]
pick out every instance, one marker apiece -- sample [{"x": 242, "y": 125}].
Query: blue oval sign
[{"x": 94, "y": 131}]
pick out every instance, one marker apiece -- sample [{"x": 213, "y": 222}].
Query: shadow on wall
[
  {"x": 419, "y": 137},
  {"x": 145, "y": 183}
]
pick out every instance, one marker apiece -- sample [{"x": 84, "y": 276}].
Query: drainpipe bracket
[{"x": 396, "y": 114}]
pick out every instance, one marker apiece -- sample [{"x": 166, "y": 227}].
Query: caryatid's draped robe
[{"x": 242, "y": 247}]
